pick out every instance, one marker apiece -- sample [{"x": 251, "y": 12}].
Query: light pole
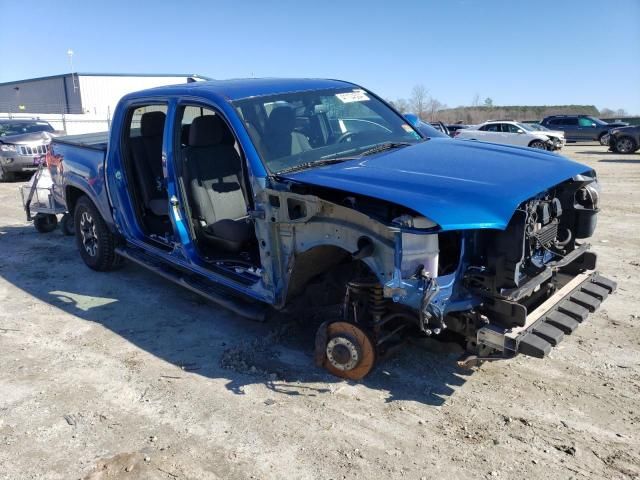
[{"x": 73, "y": 78}]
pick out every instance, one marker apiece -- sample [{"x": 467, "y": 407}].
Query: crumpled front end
[{"x": 518, "y": 290}]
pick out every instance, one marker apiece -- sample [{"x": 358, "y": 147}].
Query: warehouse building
[{"x": 77, "y": 102}]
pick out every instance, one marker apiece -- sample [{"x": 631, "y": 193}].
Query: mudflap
[{"x": 558, "y": 316}]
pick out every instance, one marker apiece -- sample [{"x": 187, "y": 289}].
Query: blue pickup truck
[{"x": 317, "y": 199}]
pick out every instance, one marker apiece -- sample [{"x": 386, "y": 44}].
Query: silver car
[{"x": 23, "y": 145}]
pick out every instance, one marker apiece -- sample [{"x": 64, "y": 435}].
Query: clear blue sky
[{"x": 516, "y": 52}]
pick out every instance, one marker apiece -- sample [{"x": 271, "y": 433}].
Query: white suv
[{"x": 509, "y": 132}]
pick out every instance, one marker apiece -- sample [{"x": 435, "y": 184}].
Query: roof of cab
[{"x": 237, "y": 89}]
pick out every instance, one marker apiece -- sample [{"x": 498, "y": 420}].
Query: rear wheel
[
  {"x": 94, "y": 239},
  {"x": 45, "y": 223},
  {"x": 6, "y": 176},
  {"x": 625, "y": 145},
  {"x": 539, "y": 144},
  {"x": 66, "y": 223}
]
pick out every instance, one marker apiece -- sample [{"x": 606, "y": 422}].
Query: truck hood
[{"x": 458, "y": 185}]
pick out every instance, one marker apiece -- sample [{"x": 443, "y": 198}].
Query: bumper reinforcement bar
[{"x": 558, "y": 316}]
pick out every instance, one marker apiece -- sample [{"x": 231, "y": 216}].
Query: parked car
[
  {"x": 453, "y": 128},
  {"x": 426, "y": 129},
  {"x": 508, "y": 132},
  {"x": 23, "y": 144},
  {"x": 625, "y": 139},
  {"x": 441, "y": 127},
  {"x": 375, "y": 234},
  {"x": 580, "y": 128}
]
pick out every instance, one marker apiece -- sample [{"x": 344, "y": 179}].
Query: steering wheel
[{"x": 345, "y": 137}]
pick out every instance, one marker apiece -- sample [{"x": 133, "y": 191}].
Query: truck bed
[
  {"x": 76, "y": 164},
  {"x": 97, "y": 141}
]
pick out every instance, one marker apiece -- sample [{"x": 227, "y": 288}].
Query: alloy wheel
[
  {"x": 624, "y": 145},
  {"x": 88, "y": 233}
]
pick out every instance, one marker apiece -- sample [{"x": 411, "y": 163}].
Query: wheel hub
[
  {"x": 88, "y": 233},
  {"x": 624, "y": 145},
  {"x": 345, "y": 350},
  {"x": 343, "y": 353}
]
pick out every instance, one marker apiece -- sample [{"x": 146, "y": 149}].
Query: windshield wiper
[
  {"x": 385, "y": 146},
  {"x": 313, "y": 163}
]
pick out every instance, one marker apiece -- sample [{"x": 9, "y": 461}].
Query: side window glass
[
  {"x": 135, "y": 126},
  {"x": 585, "y": 122},
  {"x": 572, "y": 122}
]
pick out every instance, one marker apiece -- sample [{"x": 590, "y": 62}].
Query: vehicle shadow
[
  {"x": 619, "y": 160},
  {"x": 197, "y": 336}
]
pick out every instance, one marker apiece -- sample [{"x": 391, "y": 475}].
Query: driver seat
[
  {"x": 280, "y": 138},
  {"x": 213, "y": 178}
]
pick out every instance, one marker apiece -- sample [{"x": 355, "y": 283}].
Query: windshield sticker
[{"x": 350, "y": 97}]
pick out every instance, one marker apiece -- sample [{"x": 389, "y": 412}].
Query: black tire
[
  {"x": 45, "y": 222},
  {"x": 95, "y": 241},
  {"x": 66, "y": 224},
  {"x": 625, "y": 145},
  {"x": 539, "y": 144},
  {"x": 6, "y": 176}
]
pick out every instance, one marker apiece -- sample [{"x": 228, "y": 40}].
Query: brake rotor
[{"x": 348, "y": 351}]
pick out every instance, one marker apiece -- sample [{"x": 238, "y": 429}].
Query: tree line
[{"x": 430, "y": 109}]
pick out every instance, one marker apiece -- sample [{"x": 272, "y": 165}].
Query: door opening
[
  {"x": 143, "y": 167},
  {"x": 211, "y": 177}
]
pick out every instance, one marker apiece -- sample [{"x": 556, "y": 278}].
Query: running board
[
  {"x": 548, "y": 324},
  {"x": 222, "y": 296}
]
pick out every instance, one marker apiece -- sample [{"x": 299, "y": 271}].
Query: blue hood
[{"x": 458, "y": 184}]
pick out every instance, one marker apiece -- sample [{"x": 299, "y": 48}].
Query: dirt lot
[{"x": 124, "y": 375}]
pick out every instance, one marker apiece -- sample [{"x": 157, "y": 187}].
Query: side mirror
[
  {"x": 520, "y": 130},
  {"x": 413, "y": 119},
  {"x": 593, "y": 125}
]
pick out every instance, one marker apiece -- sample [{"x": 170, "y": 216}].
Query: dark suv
[{"x": 580, "y": 128}]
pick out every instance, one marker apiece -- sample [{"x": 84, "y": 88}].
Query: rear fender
[{"x": 75, "y": 186}]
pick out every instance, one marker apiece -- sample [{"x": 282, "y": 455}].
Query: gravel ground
[{"x": 126, "y": 376}]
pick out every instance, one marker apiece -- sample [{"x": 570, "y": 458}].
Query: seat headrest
[
  {"x": 282, "y": 120},
  {"x": 152, "y": 124},
  {"x": 206, "y": 131}
]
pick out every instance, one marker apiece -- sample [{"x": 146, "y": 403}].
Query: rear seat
[{"x": 146, "y": 152}]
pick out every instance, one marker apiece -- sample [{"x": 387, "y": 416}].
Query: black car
[
  {"x": 453, "y": 128},
  {"x": 441, "y": 127},
  {"x": 580, "y": 128},
  {"x": 624, "y": 139}
]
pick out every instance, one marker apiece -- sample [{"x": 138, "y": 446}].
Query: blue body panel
[{"x": 459, "y": 185}]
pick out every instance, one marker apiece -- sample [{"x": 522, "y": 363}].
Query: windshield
[
  {"x": 532, "y": 127},
  {"x": 299, "y": 129},
  {"x": 18, "y": 128},
  {"x": 597, "y": 121}
]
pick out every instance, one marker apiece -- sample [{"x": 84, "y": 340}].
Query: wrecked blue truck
[{"x": 317, "y": 199}]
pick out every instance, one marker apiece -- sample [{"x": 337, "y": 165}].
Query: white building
[{"x": 77, "y": 102}]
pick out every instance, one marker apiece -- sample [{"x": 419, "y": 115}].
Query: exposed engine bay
[{"x": 464, "y": 281}]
